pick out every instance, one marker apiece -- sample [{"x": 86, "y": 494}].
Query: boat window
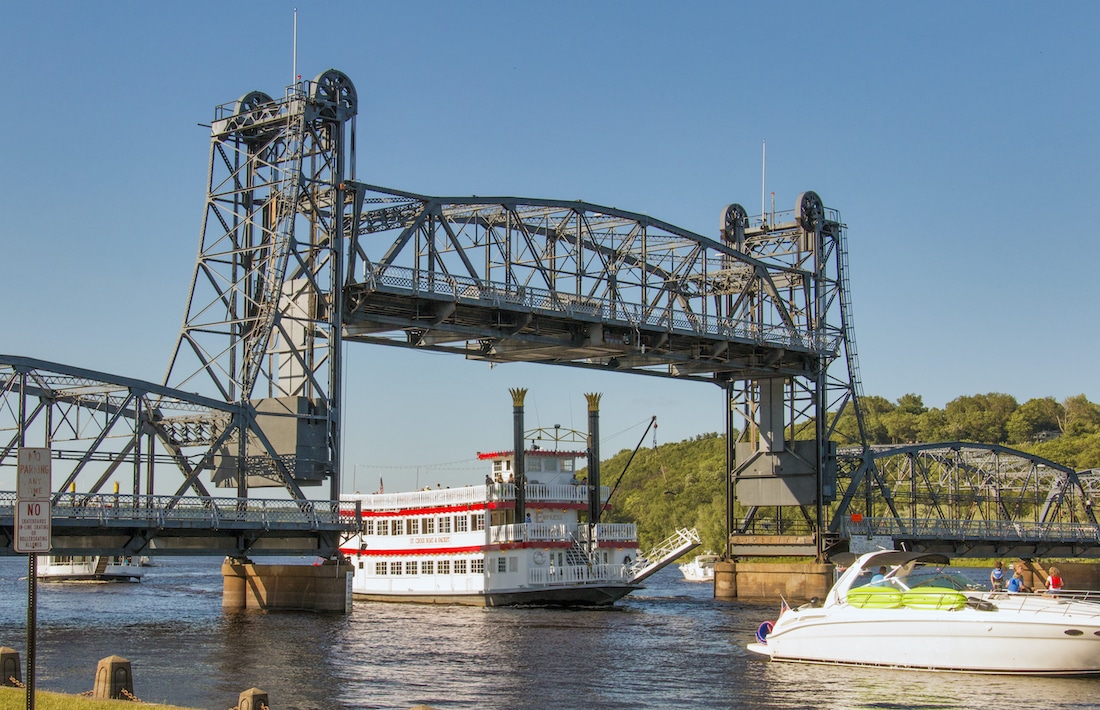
[
  {"x": 397, "y": 526},
  {"x": 429, "y": 526},
  {"x": 513, "y": 564},
  {"x": 502, "y": 564},
  {"x": 444, "y": 566},
  {"x": 477, "y": 566},
  {"x": 567, "y": 464},
  {"x": 445, "y": 524},
  {"x": 462, "y": 523},
  {"x": 383, "y": 528},
  {"x": 380, "y": 569},
  {"x": 479, "y": 521},
  {"x": 460, "y": 566},
  {"x": 368, "y": 526},
  {"x": 395, "y": 568},
  {"x": 498, "y": 466},
  {"x": 410, "y": 567},
  {"x": 414, "y": 526},
  {"x": 427, "y": 567}
]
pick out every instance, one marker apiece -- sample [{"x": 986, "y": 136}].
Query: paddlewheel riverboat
[{"x": 530, "y": 534}]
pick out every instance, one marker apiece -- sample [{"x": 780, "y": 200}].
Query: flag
[
  {"x": 784, "y": 607},
  {"x": 381, "y": 487}
]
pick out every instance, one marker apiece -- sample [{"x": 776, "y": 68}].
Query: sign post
[{"x": 33, "y": 523}]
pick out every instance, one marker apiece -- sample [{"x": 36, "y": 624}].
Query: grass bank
[{"x": 16, "y": 699}]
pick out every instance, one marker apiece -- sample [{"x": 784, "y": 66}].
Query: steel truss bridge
[{"x": 297, "y": 256}]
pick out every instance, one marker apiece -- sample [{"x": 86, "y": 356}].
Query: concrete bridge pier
[
  {"x": 771, "y": 580},
  {"x": 325, "y": 587}
]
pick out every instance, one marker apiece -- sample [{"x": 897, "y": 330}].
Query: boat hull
[
  {"x": 603, "y": 595},
  {"x": 1026, "y": 638}
]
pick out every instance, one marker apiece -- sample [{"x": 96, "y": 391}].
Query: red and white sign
[{"x": 32, "y": 526}]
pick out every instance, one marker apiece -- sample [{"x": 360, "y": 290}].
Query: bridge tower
[
  {"x": 785, "y": 462},
  {"x": 262, "y": 325}
]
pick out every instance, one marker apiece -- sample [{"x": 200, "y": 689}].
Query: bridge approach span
[{"x": 969, "y": 499}]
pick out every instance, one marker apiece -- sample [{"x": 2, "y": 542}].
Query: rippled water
[{"x": 668, "y": 646}]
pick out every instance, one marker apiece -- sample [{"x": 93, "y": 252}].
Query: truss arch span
[{"x": 991, "y": 494}]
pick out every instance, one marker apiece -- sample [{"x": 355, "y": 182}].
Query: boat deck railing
[
  {"x": 562, "y": 533},
  {"x": 578, "y": 574},
  {"x": 468, "y": 495}
]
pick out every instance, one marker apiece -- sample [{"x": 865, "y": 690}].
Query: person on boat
[
  {"x": 1054, "y": 582},
  {"x": 1016, "y": 584},
  {"x": 880, "y": 577},
  {"x": 997, "y": 577}
]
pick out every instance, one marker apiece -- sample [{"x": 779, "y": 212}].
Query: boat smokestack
[
  {"x": 519, "y": 467},
  {"x": 593, "y": 457}
]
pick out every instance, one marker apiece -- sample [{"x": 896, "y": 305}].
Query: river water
[{"x": 670, "y": 645}]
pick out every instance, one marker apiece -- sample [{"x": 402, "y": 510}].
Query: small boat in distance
[
  {"x": 88, "y": 568},
  {"x": 919, "y": 616},
  {"x": 700, "y": 569}
]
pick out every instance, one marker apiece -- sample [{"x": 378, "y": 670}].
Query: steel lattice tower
[{"x": 263, "y": 316}]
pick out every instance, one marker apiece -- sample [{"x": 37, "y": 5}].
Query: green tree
[
  {"x": 980, "y": 418},
  {"x": 1082, "y": 416},
  {"x": 1032, "y": 417}
]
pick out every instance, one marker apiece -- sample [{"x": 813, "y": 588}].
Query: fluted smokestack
[
  {"x": 519, "y": 467},
  {"x": 594, "y": 503}
]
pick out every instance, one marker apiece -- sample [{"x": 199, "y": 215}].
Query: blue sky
[{"x": 958, "y": 140}]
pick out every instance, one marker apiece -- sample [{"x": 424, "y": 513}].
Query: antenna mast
[
  {"x": 294, "y": 80},
  {"x": 763, "y": 175}
]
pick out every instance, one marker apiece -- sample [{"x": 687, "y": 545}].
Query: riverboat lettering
[{"x": 431, "y": 540}]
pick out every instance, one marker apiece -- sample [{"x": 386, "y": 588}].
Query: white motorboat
[
  {"x": 88, "y": 568},
  {"x": 921, "y": 616},
  {"x": 700, "y": 569}
]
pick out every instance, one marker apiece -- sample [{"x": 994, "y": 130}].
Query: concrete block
[
  {"x": 253, "y": 699},
  {"x": 112, "y": 676},
  {"x": 9, "y": 667}
]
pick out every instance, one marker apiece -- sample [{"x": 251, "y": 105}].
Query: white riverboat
[
  {"x": 466, "y": 545},
  {"x": 920, "y": 616},
  {"x": 88, "y": 568},
  {"x": 700, "y": 569}
]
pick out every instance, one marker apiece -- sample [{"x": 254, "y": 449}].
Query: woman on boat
[{"x": 1054, "y": 582}]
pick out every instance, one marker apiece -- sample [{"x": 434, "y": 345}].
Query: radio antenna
[
  {"x": 763, "y": 176},
  {"x": 295, "y": 79}
]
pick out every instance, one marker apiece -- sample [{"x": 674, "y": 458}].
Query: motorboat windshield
[{"x": 903, "y": 570}]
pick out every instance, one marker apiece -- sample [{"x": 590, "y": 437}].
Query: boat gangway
[
  {"x": 679, "y": 543},
  {"x": 113, "y": 524}
]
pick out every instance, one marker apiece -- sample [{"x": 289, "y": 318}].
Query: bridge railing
[
  {"x": 498, "y": 294},
  {"x": 108, "y": 509},
  {"x": 977, "y": 530}
]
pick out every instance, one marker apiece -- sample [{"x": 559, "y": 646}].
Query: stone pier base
[
  {"x": 324, "y": 587},
  {"x": 795, "y": 582}
]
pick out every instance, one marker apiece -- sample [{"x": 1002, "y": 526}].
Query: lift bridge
[{"x": 297, "y": 256}]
